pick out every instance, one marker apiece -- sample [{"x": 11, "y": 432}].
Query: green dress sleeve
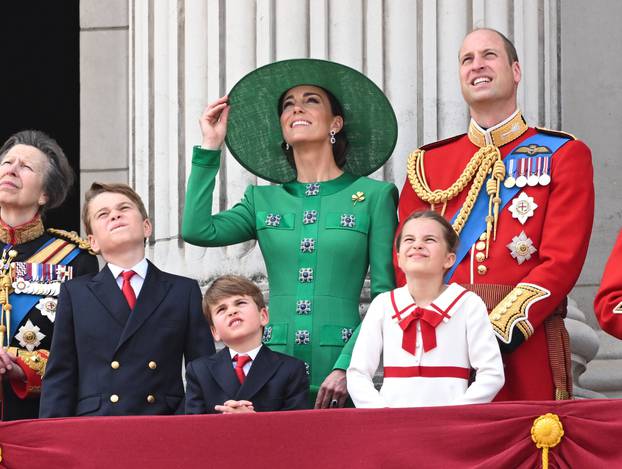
[
  {"x": 200, "y": 226},
  {"x": 382, "y": 230}
]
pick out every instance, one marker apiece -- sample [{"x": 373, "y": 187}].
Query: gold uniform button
[
  {"x": 152, "y": 365},
  {"x": 483, "y": 237},
  {"x": 150, "y": 398},
  {"x": 480, "y": 257},
  {"x": 114, "y": 398},
  {"x": 480, "y": 245},
  {"x": 115, "y": 365},
  {"x": 482, "y": 269}
]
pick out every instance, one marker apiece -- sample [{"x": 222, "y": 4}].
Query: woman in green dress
[{"x": 317, "y": 128}]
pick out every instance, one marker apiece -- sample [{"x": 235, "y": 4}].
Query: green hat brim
[{"x": 254, "y": 133}]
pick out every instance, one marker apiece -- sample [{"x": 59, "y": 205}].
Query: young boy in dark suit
[
  {"x": 245, "y": 376},
  {"x": 121, "y": 334}
]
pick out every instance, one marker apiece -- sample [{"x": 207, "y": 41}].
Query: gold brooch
[{"x": 358, "y": 197}]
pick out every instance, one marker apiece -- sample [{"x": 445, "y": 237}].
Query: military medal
[
  {"x": 545, "y": 178},
  {"x": 521, "y": 180},
  {"x": 521, "y": 248},
  {"x": 510, "y": 181},
  {"x": 47, "y": 306},
  {"x": 523, "y": 207},
  {"x": 29, "y": 336},
  {"x": 532, "y": 179}
]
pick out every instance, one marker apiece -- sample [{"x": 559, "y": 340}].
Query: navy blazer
[
  {"x": 106, "y": 360},
  {"x": 274, "y": 382}
]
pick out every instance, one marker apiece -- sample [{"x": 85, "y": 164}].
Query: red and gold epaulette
[
  {"x": 556, "y": 133},
  {"x": 73, "y": 237},
  {"x": 440, "y": 143}
]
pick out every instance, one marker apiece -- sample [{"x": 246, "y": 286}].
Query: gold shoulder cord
[
  {"x": 487, "y": 160},
  {"x": 73, "y": 237}
]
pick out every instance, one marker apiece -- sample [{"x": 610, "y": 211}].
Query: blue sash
[
  {"x": 22, "y": 303},
  {"x": 476, "y": 223}
]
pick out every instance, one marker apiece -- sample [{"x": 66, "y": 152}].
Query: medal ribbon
[{"x": 23, "y": 303}]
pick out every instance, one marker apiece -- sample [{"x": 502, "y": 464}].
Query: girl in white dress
[{"x": 437, "y": 344}]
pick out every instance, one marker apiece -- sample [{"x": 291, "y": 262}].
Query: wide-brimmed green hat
[{"x": 254, "y": 134}]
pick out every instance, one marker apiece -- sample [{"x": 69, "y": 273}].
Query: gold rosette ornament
[{"x": 546, "y": 432}]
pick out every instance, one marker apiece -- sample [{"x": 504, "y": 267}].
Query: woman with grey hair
[{"x": 34, "y": 176}]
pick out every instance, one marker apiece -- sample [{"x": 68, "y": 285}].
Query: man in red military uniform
[
  {"x": 522, "y": 200},
  {"x": 608, "y": 301}
]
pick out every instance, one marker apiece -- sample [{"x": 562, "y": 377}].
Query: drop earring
[{"x": 332, "y": 137}]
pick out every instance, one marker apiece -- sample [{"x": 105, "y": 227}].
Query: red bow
[{"x": 428, "y": 320}]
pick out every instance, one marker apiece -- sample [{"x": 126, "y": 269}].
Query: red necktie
[
  {"x": 428, "y": 320},
  {"x": 240, "y": 361},
  {"x": 126, "y": 288}
]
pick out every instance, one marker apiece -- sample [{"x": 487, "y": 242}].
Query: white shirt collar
[
  {"x": 140, "y": 269},
  {"x": 251, "y": 353}
]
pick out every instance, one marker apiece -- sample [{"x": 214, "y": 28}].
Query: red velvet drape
[{"x": 478, "y": 436}]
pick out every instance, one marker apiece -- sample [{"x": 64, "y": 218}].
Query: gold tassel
[{"x": 546, "y": 432}]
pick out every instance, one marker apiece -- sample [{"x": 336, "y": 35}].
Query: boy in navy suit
[
  {"x": 121, "y": 334},
  {"x": 245, "y": 376}
]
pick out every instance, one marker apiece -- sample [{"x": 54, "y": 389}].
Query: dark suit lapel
[
  {"x": 154, "y": 290},
  {"x": 264, "y": 366},
  {"x": 221, "y": 368},
  {"x": 104, "y": 287}
]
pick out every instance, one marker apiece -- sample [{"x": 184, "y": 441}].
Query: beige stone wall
[{"x": 104, "y": 129}]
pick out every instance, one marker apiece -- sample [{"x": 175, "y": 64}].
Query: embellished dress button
[
  {"x": 309, "y": 217},
  {"x": 273, "y": 219},
  {"x": 312, "y": 189},
  {"x": 305, "y": 274},
  {"x": 303, "y": 307},
  {"x": 303, "y": 337},
  {"x": 152, "y": 365},
  {"x": 114, "y": 398},
  {"x": 151, "y": 399},
  {"x": 346, "y": 333},
  {"x": 348, "y": 220},
  {"x": 115, "y": 365},
  {"x": 307, "y": 245}
]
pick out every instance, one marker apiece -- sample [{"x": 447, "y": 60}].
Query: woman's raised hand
[{"x": 213, "y": 123}]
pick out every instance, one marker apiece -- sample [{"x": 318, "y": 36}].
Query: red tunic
[
  {"x": 608, "y": 301},
  {"x": 560, "y": 230}
]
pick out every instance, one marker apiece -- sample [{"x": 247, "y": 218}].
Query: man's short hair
[
  {"x": 510, "y": 50},
  {"x": 115, "y": 188},
  {"x": 226, "y": 287}
]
